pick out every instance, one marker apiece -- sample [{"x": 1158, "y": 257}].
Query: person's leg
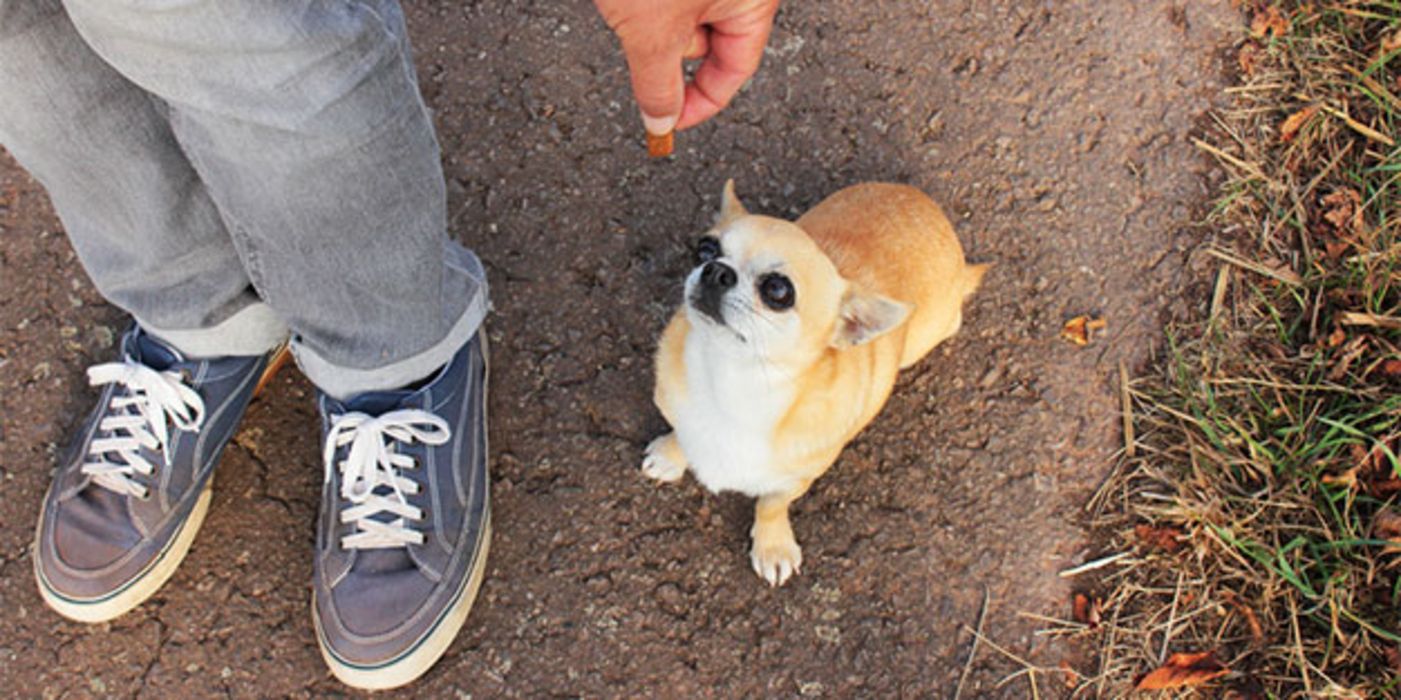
[
  {"x": 141, "y": 222},
  {"x": 305, "y": 121},
  {"x": 126, "y": 501}
]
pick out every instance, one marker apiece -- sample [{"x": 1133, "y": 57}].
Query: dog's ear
[
  {"x": 865, "y": 317},
  {"x": 730, "y": 208}
]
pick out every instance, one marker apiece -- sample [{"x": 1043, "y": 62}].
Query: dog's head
[{"x": 764, "y": 287}]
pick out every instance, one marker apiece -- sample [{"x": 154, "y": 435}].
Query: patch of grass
[{"x": 1267, "y": 442}]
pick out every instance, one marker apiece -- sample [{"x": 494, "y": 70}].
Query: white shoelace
[
  {"x": 372, "y": 462},
  {"x": 138, "y": 418}
]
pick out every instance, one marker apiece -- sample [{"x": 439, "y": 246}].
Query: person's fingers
[
  {"x": 657, "y": 83},
  {"x": 700, "y": 44},
  {"x": 732, "y": 60},
  {"x": 697, "y": 109}
]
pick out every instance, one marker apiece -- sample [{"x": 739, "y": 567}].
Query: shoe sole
[
  {"x": 284, "y": 353},
  {"x": 150, "y": 580},
  {"x": 408, "y": 667}
]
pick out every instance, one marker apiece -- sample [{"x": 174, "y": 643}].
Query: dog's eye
[
  {"x": 776, "y": 291},
  {"x": 707, "y": 249}
]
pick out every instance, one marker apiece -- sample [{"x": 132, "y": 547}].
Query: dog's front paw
[
  {"x": 664, "y": 460},
  {"x": 776, "y": 558}
]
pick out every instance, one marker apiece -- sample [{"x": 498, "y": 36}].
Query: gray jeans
[{"x": 230, "y": 170}]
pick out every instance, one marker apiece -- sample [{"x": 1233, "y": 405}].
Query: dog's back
[{"x": 894, "y": 240}]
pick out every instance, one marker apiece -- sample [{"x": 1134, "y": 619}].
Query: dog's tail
[{"x": 973, "y": 277}]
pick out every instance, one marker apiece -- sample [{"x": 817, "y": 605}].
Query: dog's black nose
[{"x": 718, "y": 275}]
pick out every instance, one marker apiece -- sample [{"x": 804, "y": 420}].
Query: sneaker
[
  {"x": 125, "y": 505},
  {"x": 404, "y": 527}
]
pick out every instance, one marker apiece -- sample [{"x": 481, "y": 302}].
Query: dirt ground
[{"x": 1056, "y": 134}]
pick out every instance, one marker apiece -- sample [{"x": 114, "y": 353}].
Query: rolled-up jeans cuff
[
  {"x": 342, "y": 382},
  {"x": 253, "y": 330}
]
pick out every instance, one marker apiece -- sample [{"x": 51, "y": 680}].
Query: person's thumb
[{"x": 658, "y": 85}]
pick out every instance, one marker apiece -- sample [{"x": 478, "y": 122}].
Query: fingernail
[{"x": 659, "y": 125}]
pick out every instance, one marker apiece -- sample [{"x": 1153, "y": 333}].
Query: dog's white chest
[{"x": 726, "y": 424}]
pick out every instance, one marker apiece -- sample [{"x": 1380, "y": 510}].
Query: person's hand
[{"x": 657, "y": 34}]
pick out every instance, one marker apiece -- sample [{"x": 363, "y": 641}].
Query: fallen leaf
[
  {"x": 1383, "y": 487},
  {"x": 1387, "y": 526},
  {"x": 1168, "y": 539},
  {"x": 1075, "y": 330},
  {"x": 1087, "y": 610},
  {"x": 1375, "y": 457},
  {"x": 1343, "y": 209},
  {"x": 1290, "y": 128},
  {"x": 1374, "y": 469},
  {"x": 1392, "y": 368},
  {"x": 1183, "y": 671},
  {"x": 1247, "y": 58},
  {"x": 1333, "y": 250},
  {"x": 1393, "y": 659},
  {"x": 1080, "y": 330},
  {"x": 1268, "y": 21},
  {"x": 1372, "y": 460},
  {"x": 1337, "y": 337}
]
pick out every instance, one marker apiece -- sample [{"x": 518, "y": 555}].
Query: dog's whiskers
[{"x": 741, "y": 313}]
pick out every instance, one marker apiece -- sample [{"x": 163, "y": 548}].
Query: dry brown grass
[{"x": 1259, "y": 495}]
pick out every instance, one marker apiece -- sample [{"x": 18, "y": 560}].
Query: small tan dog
[{"x": 789, "y": 341}]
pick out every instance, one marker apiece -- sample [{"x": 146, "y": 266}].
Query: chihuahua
[{"x": 788, "y": 342}]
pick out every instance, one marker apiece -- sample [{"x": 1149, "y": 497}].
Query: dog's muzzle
[{"x": 716, "y": 278}]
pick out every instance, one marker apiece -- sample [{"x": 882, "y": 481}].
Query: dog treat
[{"x": 659, "y": 145}]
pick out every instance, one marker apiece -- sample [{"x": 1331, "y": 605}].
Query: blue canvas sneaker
[
  {"x": 404, "y": 528},
  {"x": 126, "y": 502}
]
